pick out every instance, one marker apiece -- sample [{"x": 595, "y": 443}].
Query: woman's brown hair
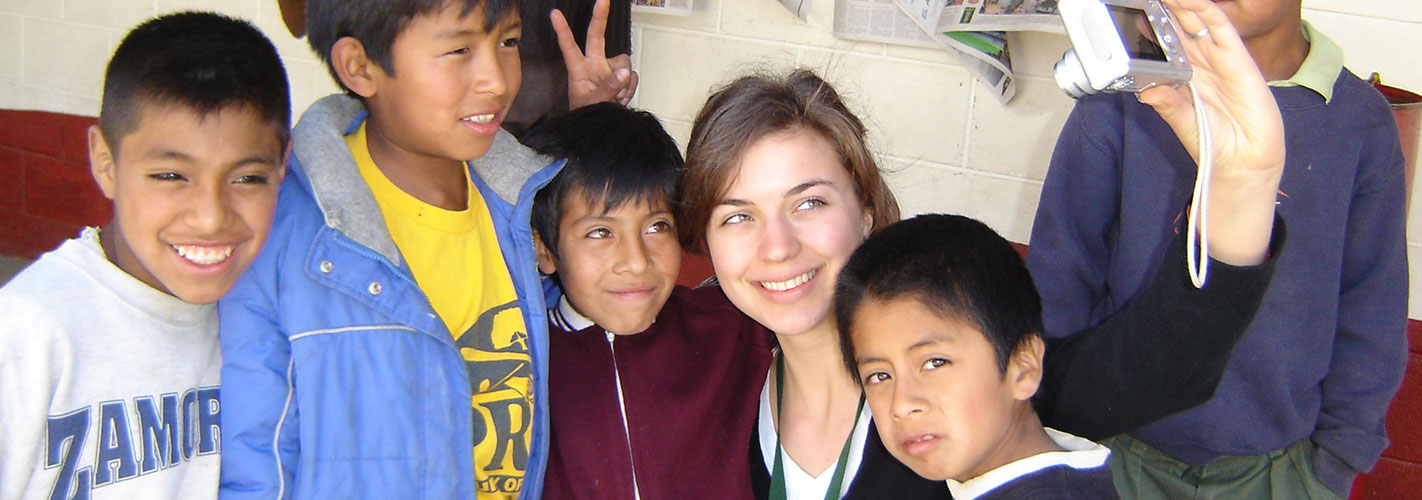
[{"x": 756, "y": 106}]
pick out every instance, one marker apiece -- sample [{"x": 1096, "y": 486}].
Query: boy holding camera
[{"x": 1299, "y": 411}]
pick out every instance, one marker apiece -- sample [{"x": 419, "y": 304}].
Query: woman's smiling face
[{"x": 783, "y": 230}]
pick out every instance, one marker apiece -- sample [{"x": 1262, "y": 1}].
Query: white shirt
[
  {"x": 800, "y": 485},
  {"x": 108, "y": 387}
]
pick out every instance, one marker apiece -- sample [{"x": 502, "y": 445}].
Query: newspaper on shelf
[
  {"x": 974, "y": 31},
  {"x": 672, "y": 7},
  {"x": 942, "y": 16},
  {"x": 877, "y": 21}
]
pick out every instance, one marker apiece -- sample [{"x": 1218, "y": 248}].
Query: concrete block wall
[
  {"x": 53, "y": 52},
  {"x": 949, "y": 145}
]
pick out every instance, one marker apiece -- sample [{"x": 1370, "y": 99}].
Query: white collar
[
  {"x": 1080, "y": 454},
  {"x": 87, "y": 253},
  {"x": 569, "y": 319}
]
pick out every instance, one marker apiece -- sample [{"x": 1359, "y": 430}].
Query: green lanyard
[{"x": 777, "y": 478}]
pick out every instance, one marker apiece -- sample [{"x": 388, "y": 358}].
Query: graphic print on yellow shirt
[{"x": 455, "y": 258}]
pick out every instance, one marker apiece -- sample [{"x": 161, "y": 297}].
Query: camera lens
[{"x": 1071, "y": 76}]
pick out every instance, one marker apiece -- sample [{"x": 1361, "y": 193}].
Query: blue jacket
[{"x": 339, "y": 380}]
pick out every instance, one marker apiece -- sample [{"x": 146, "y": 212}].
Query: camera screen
[{"x": 1137, "y": 33}]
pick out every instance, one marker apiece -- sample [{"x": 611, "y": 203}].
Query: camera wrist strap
[{"x": 1198, "y": 260}]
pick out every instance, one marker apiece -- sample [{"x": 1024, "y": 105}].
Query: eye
[
  {"x": 600, "y": 233},
  {"x": 660, "y": 226},
  {"x": 735, "y": 218},
  {"x": 875, "y": 377},
  {"x": 251, "y": 179},
  {"x": 458, "y": 51},
  {"x": 167, "y": 176},
  {"x": 810, "y": 204},
  {"x": 511, "y": 42},
  {"x": 934, "y": 363}
]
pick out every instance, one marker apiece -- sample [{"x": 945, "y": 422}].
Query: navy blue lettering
[
  {"x": 158, "y": 430},
  {"x": 189, "y": 423},
  {"x": 170, "y": 429},
  {"x": 501, "y": 484},
  {"x": 115, "y": 445},
  {"x": 65, "y": 435},
  {"x": 209, "y": 425},
  {"x": 508, "y": 435}
]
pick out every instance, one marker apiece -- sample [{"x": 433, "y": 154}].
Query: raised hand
[
  {"x": 1246, "y": 128},
  {"x": 592, "y": 76}
]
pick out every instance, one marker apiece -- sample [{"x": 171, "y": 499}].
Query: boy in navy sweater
[
  {"x": 939, "y": 321},
  {"x": 1302, "y": 402}
]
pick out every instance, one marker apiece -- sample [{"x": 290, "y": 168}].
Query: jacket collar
[
  {"x": 1320, "y": 68},
  {"x": 319, "y": 148}
]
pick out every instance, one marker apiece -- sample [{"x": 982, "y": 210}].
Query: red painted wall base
[{"x": 46, "y": 191}]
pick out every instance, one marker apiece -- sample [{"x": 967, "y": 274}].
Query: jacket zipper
[{"x": 622, "y": 405}]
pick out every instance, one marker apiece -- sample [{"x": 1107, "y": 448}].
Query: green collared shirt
[{"x": 1320, "y": 67}]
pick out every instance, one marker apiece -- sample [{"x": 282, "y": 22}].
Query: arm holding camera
[
  {"x": 1247, "y": 130},
  {"x": 1123, "y": 365}
]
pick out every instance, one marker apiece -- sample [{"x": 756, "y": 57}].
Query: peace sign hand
[{"x": 592, "y": 76}]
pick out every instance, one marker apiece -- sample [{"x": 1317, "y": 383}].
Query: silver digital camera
[{"x": 1119, "y": 46}]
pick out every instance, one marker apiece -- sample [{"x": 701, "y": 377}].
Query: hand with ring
[{"x": 1245, "y": 126}]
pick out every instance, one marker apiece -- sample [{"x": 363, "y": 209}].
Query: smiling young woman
[{"x": 780, "y": 188}]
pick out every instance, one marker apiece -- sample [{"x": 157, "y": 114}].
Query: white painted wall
[
  {"x": 53, "y": 52},
  {"x": 952, "y": 149}
]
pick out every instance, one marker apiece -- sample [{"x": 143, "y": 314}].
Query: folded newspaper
[{"x": 975, "y": 31}]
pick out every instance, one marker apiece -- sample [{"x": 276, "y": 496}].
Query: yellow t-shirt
[{"x": 455, "y": 258}]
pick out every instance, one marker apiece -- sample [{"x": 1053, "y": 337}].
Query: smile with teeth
[
  {"x": 780, "y": 286},
  {"x": 202, "y": 254},
  {"x": 920, "y": 439},
  {"x": 484, "y": 118},
  {"x": 919, "y": 444}
]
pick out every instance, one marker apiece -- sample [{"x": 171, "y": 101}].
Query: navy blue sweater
[
  {"x": 1058, "y": 483},
  {"x": 1327, "y": 348}
]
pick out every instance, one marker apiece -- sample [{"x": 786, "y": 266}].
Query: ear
[
  {"x": 1024, "y": 369},
  {"x": 547, "y": 263},
  {"x": 285, "y": 160},
  {"x": 356, "y": 70},
  {"x": 101, "y": 161},
  {"x": 868, "y": 222}
]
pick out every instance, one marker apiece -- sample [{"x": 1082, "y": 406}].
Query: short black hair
[
  {"x": 376, "y": 23},
  {"x": 955, "y": 266},
  {"x": 202, "y": 61},
  {"x": 615, "y": 155}
]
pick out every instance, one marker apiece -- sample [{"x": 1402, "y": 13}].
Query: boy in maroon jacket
[{"x": 647, "y": 380}]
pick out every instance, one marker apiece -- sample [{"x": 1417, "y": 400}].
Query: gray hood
[{"x": 319, "y": 148}]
